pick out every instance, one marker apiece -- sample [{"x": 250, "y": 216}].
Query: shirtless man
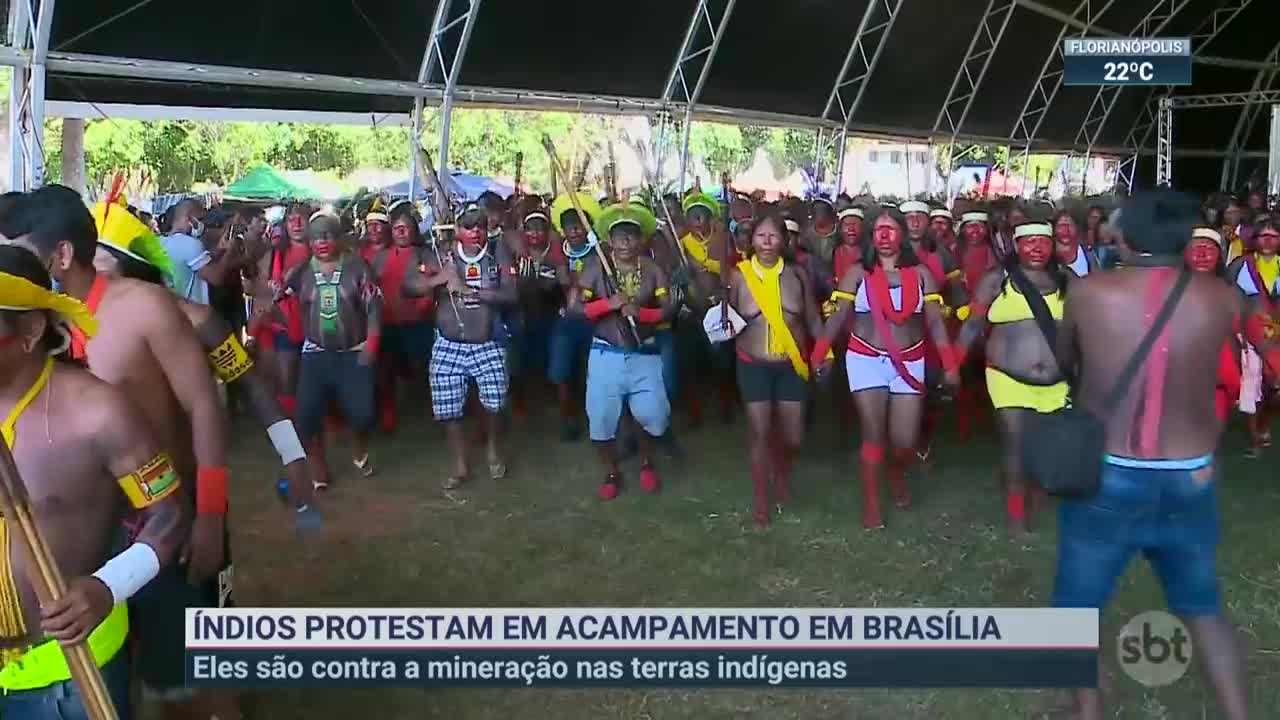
[
  {"x": 477, "y": 279},
  {"x": 704, "y": 244},
  {"x": 570, "y": 334},
  {"x": 341, "y": 308},
  {"x": 146, "y": 347},
  {"x": 79, "y": 477},
  {"x": 625, "y": 367},
  {"x": 1159, "y": 477},
  {"x": 230, "y": 361},
  {"x": 377, "y": 232}
]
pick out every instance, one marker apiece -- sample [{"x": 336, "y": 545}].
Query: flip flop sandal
[
  {"x": 319, "y": 485},
  {"x": 497, "y": 471},
  {"x": 453, "y": 482},
  {"x": 363, "y": 465}
]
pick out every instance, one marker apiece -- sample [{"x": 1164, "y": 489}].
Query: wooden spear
[{"x": 49, "y": 585}]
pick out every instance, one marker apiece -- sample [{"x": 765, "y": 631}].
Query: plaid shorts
[{"x": 454, "y": 363}]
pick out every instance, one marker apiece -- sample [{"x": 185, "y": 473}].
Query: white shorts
[{"x": 868, "y": 373}]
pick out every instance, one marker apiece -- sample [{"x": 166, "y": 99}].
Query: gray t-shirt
[{"x": 189, "y": 257}]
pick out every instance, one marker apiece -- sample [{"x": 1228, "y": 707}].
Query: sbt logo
[{"x": 1154, "y": 648}]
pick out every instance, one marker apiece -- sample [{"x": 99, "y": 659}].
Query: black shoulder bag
[
  {"x": 1039, "y": 308},
  {"x": 1063, "y": 450}
]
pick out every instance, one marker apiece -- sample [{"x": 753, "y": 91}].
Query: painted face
[
  {"x": 700, "y": 220},
  {"x": 975, "y": 233},
  {"x": 941, "y": 226},
  {"x": 917, "y": 223},
  {"x": 296, "y": 226},
  {"x": 851, "y": 230},
  {"x": 886, "y": 237},
  {"x": 1268, "y": 241},
  {"x": 402, "y": 232},
  {"x": 1034, "y": 251},
  {"x": 1202, "y": 255},
  {"x": 574, "y": 232},
  {"x": 324, "y": 240},
  {"x": 535, "y": 232},
  {"x": 740, "y": 210},
  {"x": 377, "y": 231},
  {"x": 624, "y": 241},
  {"x": 473, "y": 229},
  {"x": 1065, "y": 240},
  {"x": 767, "y": 240}
]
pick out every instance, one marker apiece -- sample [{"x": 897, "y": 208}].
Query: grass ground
[{"x": 540, "y": 538}]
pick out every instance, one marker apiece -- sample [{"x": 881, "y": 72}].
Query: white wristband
[
  {"x": 127, "y": 573},
  {"x": 285, "y": 439}
]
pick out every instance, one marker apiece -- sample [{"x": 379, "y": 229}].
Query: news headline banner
[
  {"x": 641, "y": 647},
  {"x": 1126, "y": 61}
]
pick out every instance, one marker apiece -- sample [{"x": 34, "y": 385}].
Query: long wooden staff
[
  {"x": 582, "y": 218},
  {"x": 649, "y": 177},
  {"x": 580, "y": 178},
  {"x": 49, "y": 585},
  {"x": 515, "y": 193},
  {"x": 611, "y": 175},
  {"x": 443, "y": 216}
]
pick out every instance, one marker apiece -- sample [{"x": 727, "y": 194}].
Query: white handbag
[{"x": 714, "y": 323}]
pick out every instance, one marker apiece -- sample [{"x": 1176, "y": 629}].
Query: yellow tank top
[{"x": 1010, "y": 306}]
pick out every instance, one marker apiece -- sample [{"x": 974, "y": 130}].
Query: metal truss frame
[
  {"x": 1049, "y": 82},
  {"x": 981, "y": 49},
  {"x": 29, "y": 28},
  {"x": 851, "y": 84},
  {"x": 437, "y": 61},
  {"x": 694, "y": 50},
  {"x": 1140, "y": 133},
  {"x": 1151, "y": 25},
  {"x": 1164, "y": 121},
  {"x": 1264, "y": 80}
]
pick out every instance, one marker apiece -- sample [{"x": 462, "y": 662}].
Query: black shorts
[
  {"x": 330, "y": 375},
  {"x": 157, "y": 621},
  {"x": 760, "y": 381}
]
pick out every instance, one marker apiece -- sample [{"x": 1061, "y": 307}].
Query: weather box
[{"x": 1126, "y": 61}]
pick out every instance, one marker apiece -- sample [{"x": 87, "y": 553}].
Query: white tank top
[
  {"x": 1080, "y": 266},
  {"x": 862, "y": 305}
]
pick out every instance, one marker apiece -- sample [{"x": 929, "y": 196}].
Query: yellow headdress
[
  {"x": 19, "y": 293},
  {"x": 120, "y": 230},
  {"x": 563, "y": 204}
]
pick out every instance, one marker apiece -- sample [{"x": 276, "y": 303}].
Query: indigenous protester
[
  {"x": 707, "y": 247},
  {"x": 542, "y": 265},
  {"x": 279, "y": 325},
  {"x": 570, "y": 333},
  {"x": 1254, "y": 275},
  {"x": 1022, "y": 375},
  {"x": 846, "y": 256},
  {"x": 474, "y": 280},
  {"x": 341, "y": 309},
  {"x": 126, "y": 249},
  {"x": 75, "y": 477},
  {"x": 625, "y": 367},
  {"x": 1204, "y": 254},
  {"x": 977, "y": 258},
  {"x": 1232, "y": 217},
  {"x": 781, "y": 318},
  {"x": 942, "y": 225},
  {"x": 377, "y": 231},
  {"x": 894, "y": 302},
  {"x": 407, "y": 332},
  {"x": 1159, "y": 475},
  {"x": 145, "y": 346},
  {"x": 1094, "y": 220},
  {"x": 822, "y": 233},
  {"x": 1067, "y": 247}
]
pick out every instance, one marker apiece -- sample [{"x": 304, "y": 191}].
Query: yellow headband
[{"x": 18, "y": 293}]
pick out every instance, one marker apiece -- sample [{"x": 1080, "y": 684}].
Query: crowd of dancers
[{"x": 626, "y": 307}]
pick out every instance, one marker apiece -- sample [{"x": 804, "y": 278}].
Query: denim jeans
[{"x": 61, "y": 701}]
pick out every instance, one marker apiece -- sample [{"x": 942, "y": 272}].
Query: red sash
[
  {"x": 933, "y": 262},
  {"x": 882, "y": 311},
  {"x": 79, "y": 341},
  {"x": 976, "y": 262},
  {"x": 844, "y": 258},
  {"x": 281, "y": 263},
  {"x": 1264, "y": 295},
  {"x": 878, "y": 293},
  {"x": 397, "y": 309}
]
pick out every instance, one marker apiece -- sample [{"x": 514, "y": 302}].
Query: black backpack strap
[
  {"x": 1139, "y": 356},
  {"x": 1039, "y": 308}
]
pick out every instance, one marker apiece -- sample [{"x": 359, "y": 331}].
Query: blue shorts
[
  {"x": 531, "y": 346},
  {"x": 616, "y": 376},
  {"x": 410, "y": 343},
  {"x": 62, "y": 701},
  {"x": 1167, "y": 510},
  {"x": 284, "y": 345},
  {"x": 570, "y": 341},
  {"x": 666, "y": 340}
]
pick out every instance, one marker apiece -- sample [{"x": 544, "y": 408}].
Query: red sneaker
[
  {"x": 609, "y": 488},
  {"x": 649, "y": 481}
]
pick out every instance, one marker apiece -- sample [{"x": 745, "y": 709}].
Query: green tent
[{"x": 264, "y": 182}]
